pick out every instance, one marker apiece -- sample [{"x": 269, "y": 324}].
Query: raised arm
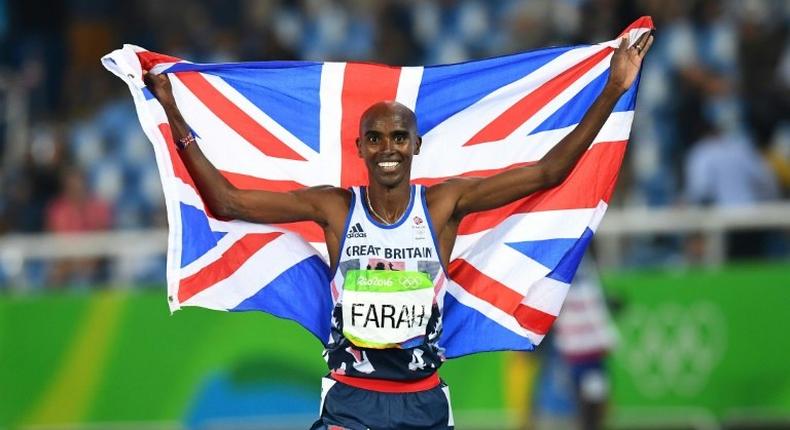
[
  {"x": 479, "y": 194},
  {"x": 223, "y": 198}
]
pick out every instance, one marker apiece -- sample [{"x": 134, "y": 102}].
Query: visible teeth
[{"x": 387, "y": 164}]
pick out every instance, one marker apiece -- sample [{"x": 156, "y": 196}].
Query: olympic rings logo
[
  {"x": 409, "y": 282},
  {"x": 672, "y": 349}
]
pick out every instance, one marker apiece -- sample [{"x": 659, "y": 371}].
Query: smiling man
[{"x": 389, "y": 244}]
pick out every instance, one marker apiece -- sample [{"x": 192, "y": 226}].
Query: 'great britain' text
[{"x": 388, "y": 253}]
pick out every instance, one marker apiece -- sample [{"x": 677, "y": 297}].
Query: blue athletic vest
[{"x": 387, "y": 289}]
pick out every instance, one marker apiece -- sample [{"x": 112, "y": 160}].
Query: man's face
[{"x": 387, "y": 141}]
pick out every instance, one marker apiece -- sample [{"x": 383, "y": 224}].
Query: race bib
[{"x": 384, "y": 308}]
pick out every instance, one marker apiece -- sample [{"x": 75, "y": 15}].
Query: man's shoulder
[
  {"x": 449, "y": 187},
  {"x": 332, "y": 203},
  {"x": 331, "y": 193},
  {"x": 443, "y": 197}
]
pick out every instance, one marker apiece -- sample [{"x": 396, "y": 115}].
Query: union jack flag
[{"x": 286, "y": 125}]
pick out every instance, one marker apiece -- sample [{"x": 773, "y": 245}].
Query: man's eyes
[{"x": 398, "y": 138}]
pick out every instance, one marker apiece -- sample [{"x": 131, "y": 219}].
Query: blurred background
[{"x": 676, "y": 320}]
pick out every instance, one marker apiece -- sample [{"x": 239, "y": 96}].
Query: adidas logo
[{"x": 356, "y": 231}]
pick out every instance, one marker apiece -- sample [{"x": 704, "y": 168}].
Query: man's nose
[{"x": 389, "y": 145}]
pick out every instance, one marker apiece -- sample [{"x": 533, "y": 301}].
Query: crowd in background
[{"x": 711, "y": 126}]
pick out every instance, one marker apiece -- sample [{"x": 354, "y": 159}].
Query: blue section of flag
[
  {"x": 566, "y": 267},
  {"x": 312, "y": 309},
  {"x": 561, "y": 256},
  {"x": 447, "y": 90},
  {"x": 464, "y": 329},
  {"x": 148, "y": 94},
  {"x": 548, "y": 252},
  {"x": 196, "y": 236},
  {"x": 572, "y": 112},
  {"x": 291, "y": 99}
]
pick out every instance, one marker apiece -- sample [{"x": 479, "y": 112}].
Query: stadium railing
[{"x": 712, "y": 224}]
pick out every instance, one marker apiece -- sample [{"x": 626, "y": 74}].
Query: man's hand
[
  {"x": 627, "y": 61},
  {"x": 160, "y": 87}
]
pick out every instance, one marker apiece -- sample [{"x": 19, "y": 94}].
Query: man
[
  {"x": 384, "y": 353},
  {"x": 574, "y": 362}
]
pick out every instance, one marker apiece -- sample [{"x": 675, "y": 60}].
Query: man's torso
[{"x": 387, "y": 288}]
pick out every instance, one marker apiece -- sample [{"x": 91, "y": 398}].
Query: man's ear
[
  {"x": 359, "y": 148},
  {"x": 417, "y": 145}
]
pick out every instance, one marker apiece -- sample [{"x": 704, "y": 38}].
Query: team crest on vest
[{"x": 419, "y": 228}]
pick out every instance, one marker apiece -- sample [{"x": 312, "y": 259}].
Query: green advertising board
[{"x": 703, "y": 342}]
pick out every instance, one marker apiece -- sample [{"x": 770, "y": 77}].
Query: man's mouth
[{"x": 388, "y": 166}]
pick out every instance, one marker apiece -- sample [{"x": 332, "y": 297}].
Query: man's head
[
  {"x": 74, "y": 186},
  {"x": 387, "y": 141}
]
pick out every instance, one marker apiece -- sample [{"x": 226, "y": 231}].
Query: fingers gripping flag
[{"x": 285, "y": 125}]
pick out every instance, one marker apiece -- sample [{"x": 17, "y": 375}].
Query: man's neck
[{"x": 388, "y": 203}]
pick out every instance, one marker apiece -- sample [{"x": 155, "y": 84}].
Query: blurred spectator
[
  {"x": 27, "y": 188},
  {"x": 724, "y": 169},
  {"x": 764, "y": 60},
  {"x": 76, "y": 210},
  {"x": 778, "y": 155},
  {"x": 583, "y": 337}
]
